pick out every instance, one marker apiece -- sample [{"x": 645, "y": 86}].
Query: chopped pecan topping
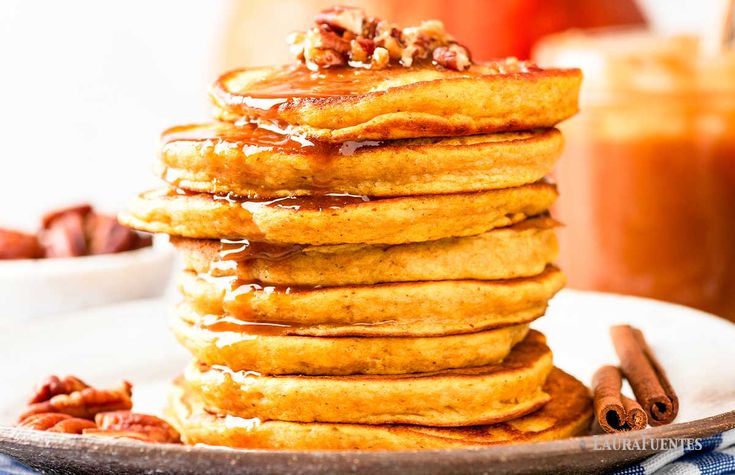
[
  {"x": 341, "y": 19},
  {"x": 345, "y": 35},
  {"x": 53, "y": 386},
  {"x": 86, "y": 403},
  {"x": 154, "y": 428},
  {"x": 56, "y": 422}
]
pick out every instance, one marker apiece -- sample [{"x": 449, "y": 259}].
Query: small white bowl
[{"x": 37, "y": 287}]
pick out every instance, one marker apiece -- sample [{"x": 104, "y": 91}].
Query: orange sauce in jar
[{"x": 647, "y": 180}]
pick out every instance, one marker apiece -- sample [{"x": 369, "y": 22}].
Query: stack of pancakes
[{"x": 365, "y": 250}]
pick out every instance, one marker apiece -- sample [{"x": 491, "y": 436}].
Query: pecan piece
[
  {"x": 341, "y": 18},
  {"x": 107, "y": 236},
  {"x": 53, "y": 386},
  {"x": 380, "y": 59},
  {"x": 56, "y": 422},
  {"x": 18, "y": 245},
  {"x": 86, "y": 403},
  {"x": 362, "y": 49},
  {"x": 331, "y": 40},
  {"x": 454, "y": 57},
  {"x": 64, "y": 234},
  {"x": 48, "y": 218},
  {"x": 316, "y": 58},
  {"x": 154, "y": 428},
  {"x": 73, "y": 425},
  {"x": 42, "y": 421}
]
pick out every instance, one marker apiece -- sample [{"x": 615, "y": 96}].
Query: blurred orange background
[{"x": 490, "y": 28}]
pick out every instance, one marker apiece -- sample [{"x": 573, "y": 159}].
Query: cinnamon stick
[
  {"x": 615, "y": 412},
  {"x": 640, "y": 367}
]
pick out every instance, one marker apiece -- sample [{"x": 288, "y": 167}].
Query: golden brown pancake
[
  {"x": 456, "y": 397},
  {"x": 340, "y": 104},
  {"x": 337, "y": 219},
  {"x": 269, "y": 350},
  {"x": 253, "y": 162},
  {"x": 395, "y": 309},
  {"x": 567, "y": 414},
  {"x": 520, "y": 250}
]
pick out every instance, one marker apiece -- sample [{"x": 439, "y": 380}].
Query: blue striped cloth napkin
[
  {"x": 9, "y": 466},
  {"x": 716, "y": 457}
]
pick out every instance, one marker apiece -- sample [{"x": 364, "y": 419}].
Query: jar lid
[{"x": 637, "y": 61}]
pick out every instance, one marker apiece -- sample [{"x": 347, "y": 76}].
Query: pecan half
[
  {"x": 107, "y": 236},
  {"x": 42, "y": 421},
  {"x": 64, "y": 232},
  {"x": 56, "y": 422},
  {"x": 53, "y": 386},
  {"x": 341, "y": 18},
  {"x": 18, "y": 245},
  {"x": 85, "y": 403},
  {"x": 73, "y": 425},
  {"x": 154, "y": 428},
  {"x": 48, "y": 218},
  {"x": 453, "y": 56}
]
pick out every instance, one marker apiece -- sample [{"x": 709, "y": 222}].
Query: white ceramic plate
[
  {"x": 31, "y": 288},
  {"x": 131, "y": 341}
]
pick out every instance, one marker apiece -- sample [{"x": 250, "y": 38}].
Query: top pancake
[{"x": 342, "y": 104}]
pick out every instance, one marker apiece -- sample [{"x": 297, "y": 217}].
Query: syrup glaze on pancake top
[{"x": 398, "y": 102}]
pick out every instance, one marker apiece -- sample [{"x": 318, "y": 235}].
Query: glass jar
[{"x": 647, "y": 179}]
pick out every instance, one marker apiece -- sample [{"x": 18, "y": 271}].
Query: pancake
[
  {"x": 521, "y": 250},
  {"x": 337, "y": 219},
  {"x": 266, "y": 349},
  {"x": 341, "y": 104},
  {"x": 567, "y": 414},
  {"x": 254, "y": 162},
  {"x": 396, "y": 309},
  {"x": 457, "y": 397}
]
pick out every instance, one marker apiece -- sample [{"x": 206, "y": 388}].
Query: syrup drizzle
[
  {"x": 245, "y": 250},
  {"x": 258, "y": 137},
  {"x": 296, "y": 82},
  {"x": 322, "y": 202}
]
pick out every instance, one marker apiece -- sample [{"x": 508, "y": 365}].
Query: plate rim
[{"x": 15, "y": 440}]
